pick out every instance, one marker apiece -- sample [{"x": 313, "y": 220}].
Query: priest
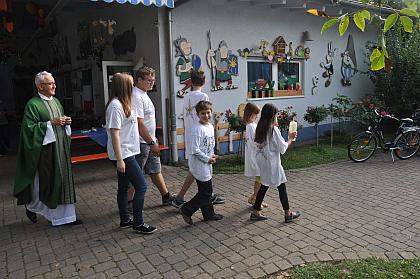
[{"x": 44, "y": 179}]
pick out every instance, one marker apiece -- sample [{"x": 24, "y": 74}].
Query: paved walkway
[{"x": 349, "y": 211}]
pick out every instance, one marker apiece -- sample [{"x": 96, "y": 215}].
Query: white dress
[
  {"x": 251, "y": 166},
  {"x": 269, "y": 161}
]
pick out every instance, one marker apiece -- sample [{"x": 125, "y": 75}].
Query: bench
[{"x": 99, "y": 156}]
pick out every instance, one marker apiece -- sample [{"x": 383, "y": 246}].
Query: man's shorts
[{"x": 149, "y": 162}]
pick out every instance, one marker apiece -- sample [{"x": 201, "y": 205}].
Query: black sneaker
[
  {"x": 215, "y": 217},
  {"x": 216, "y": 199},
  {"x": 291, "y": 217},
  {"x": 186, "y": 217},
  {"x": 168, "y": 199},
  {"x": 256, "y": 217},
  {"x": 127, "y": 224},
  {"x": 144, "y": 229},
  {"x": 178, "y": 202}
]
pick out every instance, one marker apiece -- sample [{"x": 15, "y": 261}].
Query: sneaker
[
  {"x": 177, "y": 202},
  {"x": 291, "y": 217},
  {"x": 168, "y": 200},
  {"x": 257, "y": 217},
  {"x": 215, "y": 217},
  {"x": 127, "y": 224},
  {"x": 186, "y": 217},
  {"x": 216, "y": 199},
  {"x": 144, "y": 229}
]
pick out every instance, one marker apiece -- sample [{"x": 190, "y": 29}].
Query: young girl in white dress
[
  {"x": 269, "y": 146},
  {"x": 251, "y": 112}
]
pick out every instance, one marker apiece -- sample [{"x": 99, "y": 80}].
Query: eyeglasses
[
  {"x": 48, "y": 83},
  {"x": 149, "y": 80}
]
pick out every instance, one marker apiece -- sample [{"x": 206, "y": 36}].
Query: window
[
  {"x": 289, "y": 77},
  {"x": 260, "y": 77},
  {"x": 268, "y": 80}
]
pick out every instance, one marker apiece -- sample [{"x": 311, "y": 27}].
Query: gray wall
[{"x": 243, "y": 25}]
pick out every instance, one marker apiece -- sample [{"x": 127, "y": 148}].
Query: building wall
[{"x": 243, "y": 25}]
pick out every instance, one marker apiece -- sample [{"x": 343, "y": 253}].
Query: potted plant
[{"x": 314, "y": 115}]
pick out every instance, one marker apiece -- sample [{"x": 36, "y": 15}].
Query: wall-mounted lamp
[{"x": 306, "y": 37}]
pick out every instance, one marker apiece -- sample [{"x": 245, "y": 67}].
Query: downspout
[{"x": 172, "y": 98}]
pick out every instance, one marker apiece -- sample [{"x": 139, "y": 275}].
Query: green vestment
[{"x": 52, "y": 161}]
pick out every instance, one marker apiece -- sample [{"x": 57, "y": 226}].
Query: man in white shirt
[{"x": 146, "y": 119}]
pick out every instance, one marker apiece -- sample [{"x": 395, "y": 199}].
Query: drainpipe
[{"x": 172, "y": 97}]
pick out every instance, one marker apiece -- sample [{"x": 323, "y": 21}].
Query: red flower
[{"x": 371, "y": 106}]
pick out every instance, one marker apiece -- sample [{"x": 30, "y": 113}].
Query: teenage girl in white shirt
[
  {"x": 123, "y": 146},
  {"x": 269, "y": 146},
  {"x": 251, "y": 112}
]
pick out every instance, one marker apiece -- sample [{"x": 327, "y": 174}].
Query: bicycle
[{"x": 405, "y": 145}]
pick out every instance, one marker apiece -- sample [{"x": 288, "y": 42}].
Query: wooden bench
[{"x": 99, "y": 156}]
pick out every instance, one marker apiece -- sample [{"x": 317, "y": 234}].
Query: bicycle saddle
[{"x": 407, "y": 121}]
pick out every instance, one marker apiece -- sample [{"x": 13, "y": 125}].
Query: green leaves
[
  {"x": 328, "y": 24},
  {"x": 359, "y": 20},
  {"x": 407, "y": 23},
  {"x": 410, "y": 12},
  {"x": 377, "y": 59},
  {"x": 344, "y": 24},
  {"x": 390, "y": 21}
]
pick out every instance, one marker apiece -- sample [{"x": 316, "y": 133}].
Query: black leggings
[{"x": 282, "y": 194}]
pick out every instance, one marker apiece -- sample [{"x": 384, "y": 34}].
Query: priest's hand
[
  {"x": 58, "y": 121},
  {"x": 121, "y": 166},
  {"x": 68, "y": 120}
]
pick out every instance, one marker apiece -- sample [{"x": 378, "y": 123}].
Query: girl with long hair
[
  {"x": 251, "y": 112},
  {"x": 269, "y": 146},
  {"x": 123, "y": 149}
]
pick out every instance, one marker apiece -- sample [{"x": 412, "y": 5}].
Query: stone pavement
[{"x": 349, "y": 210}]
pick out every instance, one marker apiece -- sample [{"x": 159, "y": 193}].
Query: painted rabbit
[{"x": 329, "y": 68}]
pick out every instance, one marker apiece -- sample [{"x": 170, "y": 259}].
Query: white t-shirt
[
  {"x": 268, "y": 159},
  {"x": 251, "y": 167},
  {"x": 129, "y": 132},
  {"x": 202, "y": 145},
  {"x": 190, "y": 116},
  {"x": 145, "y": 109}
]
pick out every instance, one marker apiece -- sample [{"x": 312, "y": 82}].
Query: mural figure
[
  {"x": 329, "y": 68},
  {"x": 185, "y": 63},
  {"x": 225, "y": 64},
  {"x": 315, "y": 82},
  {"x": 348, "y": 64}
]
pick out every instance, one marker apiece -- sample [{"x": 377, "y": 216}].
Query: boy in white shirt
[
  {"x": 200, "y": 165},
  {"x": 190, "y": 119}
]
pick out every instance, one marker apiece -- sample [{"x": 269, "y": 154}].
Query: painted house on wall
[{"x": 271, "y": 36}]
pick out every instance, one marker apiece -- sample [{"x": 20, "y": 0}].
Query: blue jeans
[{"x": 134, "y": 174}]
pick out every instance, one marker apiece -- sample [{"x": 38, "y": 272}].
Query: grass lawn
[
  {"x": 297, "y": 157},
  {"x": 371, "y": 268}
]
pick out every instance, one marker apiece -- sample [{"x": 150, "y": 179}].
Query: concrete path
[{"x": 349, "y": 210}]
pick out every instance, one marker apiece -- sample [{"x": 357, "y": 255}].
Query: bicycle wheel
[
  {"x": 362, "y": 147},
  {"x": 407, "y": 144}
]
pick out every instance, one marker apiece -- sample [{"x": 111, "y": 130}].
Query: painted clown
[
  {"x": 185, "y": 64},
  {"x": 225, "y": 64}
]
